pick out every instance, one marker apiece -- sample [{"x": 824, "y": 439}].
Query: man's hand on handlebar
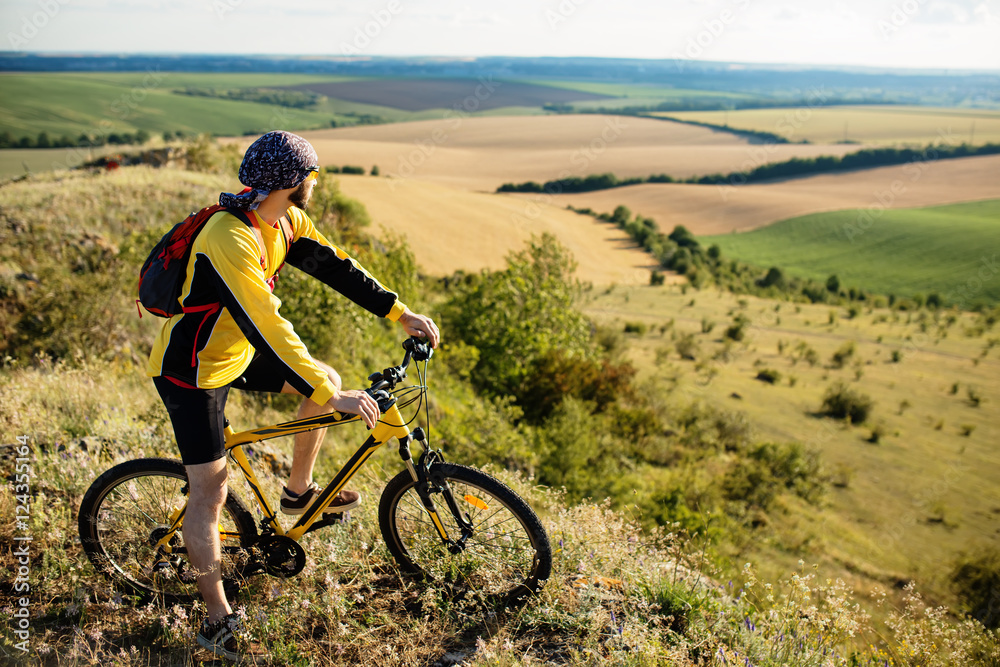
[
  {"x": 356, "y": 402},
  {"x": 420, "y": 326}
]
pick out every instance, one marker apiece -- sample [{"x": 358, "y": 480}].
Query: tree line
[{"x": 795, "y": 167}]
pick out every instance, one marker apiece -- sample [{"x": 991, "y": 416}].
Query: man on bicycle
[{"x": 232, "y": 335}]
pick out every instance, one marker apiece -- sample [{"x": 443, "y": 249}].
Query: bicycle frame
[{"x": 390, "y": 425}]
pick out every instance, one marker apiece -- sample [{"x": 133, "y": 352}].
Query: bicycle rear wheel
[
  {"x": 125, "y": 513},
  {"x": 506, "y": 555}
]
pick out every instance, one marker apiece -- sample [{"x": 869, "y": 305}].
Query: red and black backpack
[{"x": 161, "y": 279}]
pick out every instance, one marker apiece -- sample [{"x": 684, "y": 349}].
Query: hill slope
[{"x": 450, "y": 230}]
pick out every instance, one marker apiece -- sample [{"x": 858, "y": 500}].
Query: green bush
[
  {"x": 737, "y": 330},
  {"x": 843, "y": 354},
  {"x": 769, "y": 376},
  {"x": 976, "y": 580},
  {"x": 515, "y": 316},
  {"x": 842, "y": 402}
]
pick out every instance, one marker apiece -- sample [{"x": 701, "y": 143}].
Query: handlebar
[{"x": 416, "y": 350}]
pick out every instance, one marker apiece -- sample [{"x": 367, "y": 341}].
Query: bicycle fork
[{"x": 423, "y": 476}]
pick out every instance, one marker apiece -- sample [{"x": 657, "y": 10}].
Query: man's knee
[{"x": 207, "y": 483}]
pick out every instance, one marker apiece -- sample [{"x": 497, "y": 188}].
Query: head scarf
[{"x": 276, "y": 161}]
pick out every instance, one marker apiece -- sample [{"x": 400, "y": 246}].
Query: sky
[{"x": 914, "y": 34}]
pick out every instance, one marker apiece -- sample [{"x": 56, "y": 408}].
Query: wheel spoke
[{"x": 501, "y": 556}]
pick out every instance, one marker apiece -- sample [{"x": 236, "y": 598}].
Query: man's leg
[
  {"x": 307, "y": 444},
  {"x": 206, "y": 497}
]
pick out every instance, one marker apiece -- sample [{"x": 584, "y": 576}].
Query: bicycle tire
[
  {"x": 508, "y": 556},
  {"x": 124, "y": 509}
]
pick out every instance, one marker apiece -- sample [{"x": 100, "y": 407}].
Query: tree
[
  {"x": 775, "y": 277},
  {"x": 621, "y": 215},
  {"x": 833, "y": 284},
  {"x": 515, "y": 316},
  {"x": 682, "y": 237}
]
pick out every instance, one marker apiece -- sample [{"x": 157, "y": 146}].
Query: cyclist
[{"x": 232, "y": 335}]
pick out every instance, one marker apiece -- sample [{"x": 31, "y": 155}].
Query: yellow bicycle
[{"x": 443, "y": 521}]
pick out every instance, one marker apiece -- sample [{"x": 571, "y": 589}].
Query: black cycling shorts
[{"x": 198, "y": 415}]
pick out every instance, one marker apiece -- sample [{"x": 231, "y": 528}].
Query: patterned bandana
[{"x": 276, "y": 161}]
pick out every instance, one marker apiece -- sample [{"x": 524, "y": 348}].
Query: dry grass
[
  {"x": 892, "y": 125},
  {"x": 450, "y": 230},
  {"x": 883, "y": 525}
]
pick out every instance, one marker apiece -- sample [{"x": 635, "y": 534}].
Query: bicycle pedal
[{"x": 327, "y": 520}]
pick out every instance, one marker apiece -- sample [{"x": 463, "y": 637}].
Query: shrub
[
  {"x": 687, "y": 347},
  {"x": 975, "y": 398},
  {"x": 769, "y": 376},
  {"x": 656, "y": 278},
  {"x": 843, "y": 355},
  {"x": 842, "y": 402},
  {"x": 639, "y": 328},
  {"x": 878, "y": 432},
  {"x": 976, "y": 580},
  {"x": 737, "y": 330}
]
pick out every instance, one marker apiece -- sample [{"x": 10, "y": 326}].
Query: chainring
[{"x": 282, "y": 556}]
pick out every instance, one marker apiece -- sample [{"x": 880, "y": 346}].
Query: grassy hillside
[
  {"x": 945, "y": 250},
  {"x": 902, "y": 506},
  {"x": 863, "y": 124},
  {"x": 95, "y": 104}
]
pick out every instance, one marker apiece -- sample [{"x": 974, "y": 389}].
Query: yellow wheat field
[{"x": 484, "y": 153}]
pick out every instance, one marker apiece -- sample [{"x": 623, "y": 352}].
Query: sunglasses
[{"x": 313, "y": 174}]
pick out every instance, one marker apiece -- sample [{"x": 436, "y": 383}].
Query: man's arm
[
  {"x": 314, "y": 254},
  {"x": 229, "y": 252}
]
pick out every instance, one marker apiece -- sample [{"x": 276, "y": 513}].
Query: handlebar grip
[{"x": 420, "y": 350}]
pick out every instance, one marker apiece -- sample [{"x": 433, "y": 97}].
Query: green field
[
  {"x": 101, "y": 103},
  {"x": 862, "y": 124},
  {"x": 948, "y": 250}
]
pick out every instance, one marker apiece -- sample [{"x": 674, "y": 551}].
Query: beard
[{"x": 300, "y": 196}]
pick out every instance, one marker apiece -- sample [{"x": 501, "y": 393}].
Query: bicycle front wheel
[
  {"x": 126, "y": 512},
  {"x": 502, "y": 552}
]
